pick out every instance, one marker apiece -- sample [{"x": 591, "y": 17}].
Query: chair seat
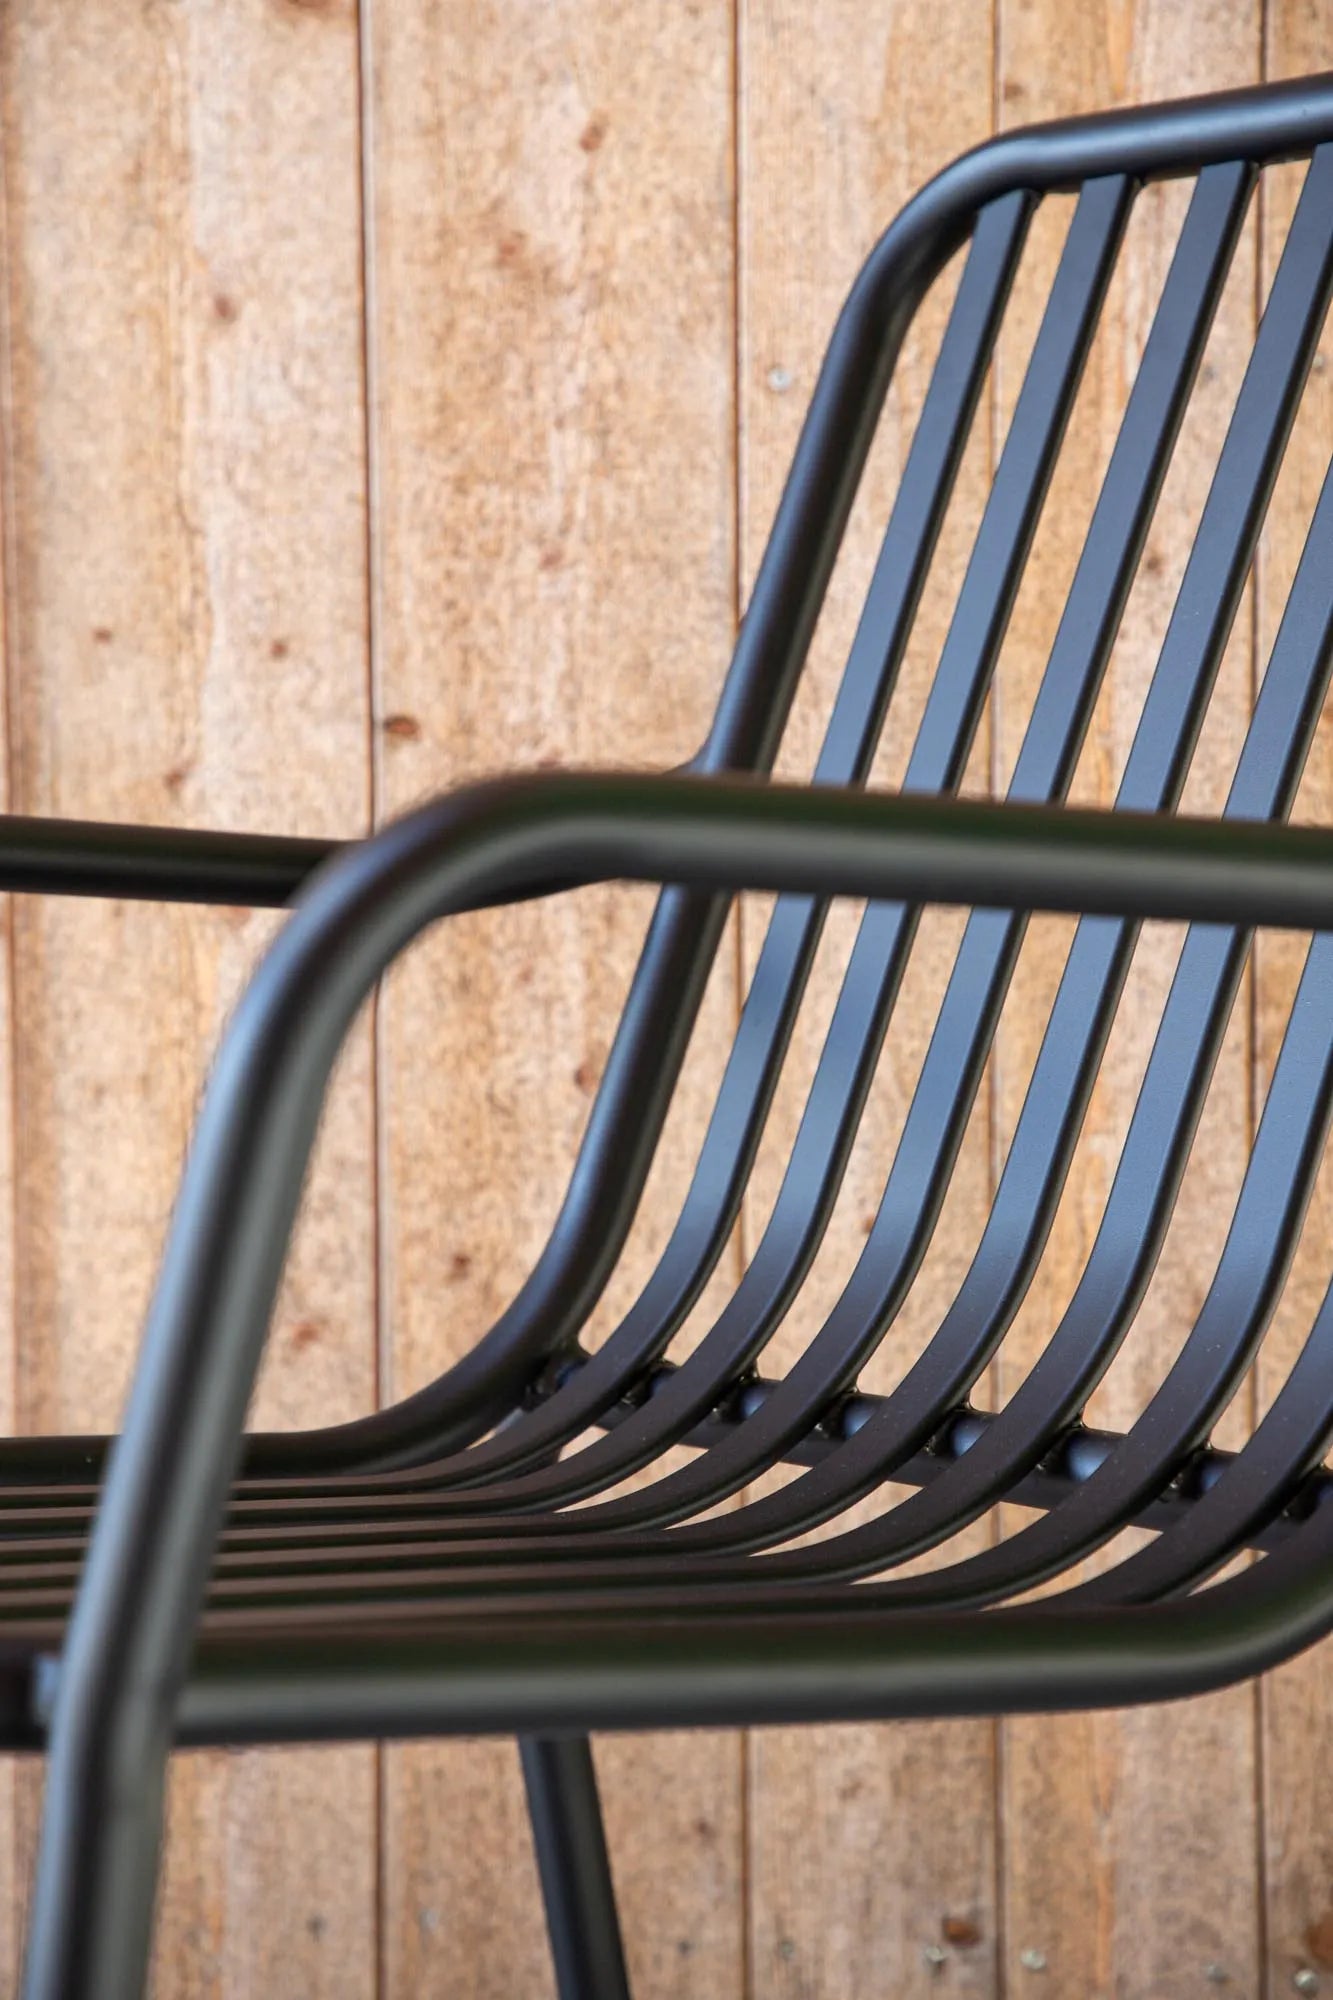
[{"x": 410, "y": 1599}]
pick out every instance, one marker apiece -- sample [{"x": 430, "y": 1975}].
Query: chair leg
[
  {"x": 575, "y": 1871},
  {"x": 90, "y": 1921}
]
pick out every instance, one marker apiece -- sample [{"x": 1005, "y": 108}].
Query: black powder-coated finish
[
  {"x": 574, "y": 1866},
  {"x": 423, "y": 1569}
]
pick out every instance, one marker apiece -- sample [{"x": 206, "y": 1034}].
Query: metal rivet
[
  {"x": 1305, "y": 1981},
  {"x": 779, "y": 380},
  {"x": 935, "y": 1956},
  {"x": 1217, "y": 1975},
  {"x": 1319, "y": 364},
  {"x": 1032, "y": 1960},
  {"x": 786, "y": 1948}
]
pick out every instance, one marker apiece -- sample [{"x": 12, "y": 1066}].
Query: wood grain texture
[
  {"x": 186, "y": 596},
  {"x": 1294, "y": 1703},
  {"x": 872, "y": 1849},
  {"x": 554, "y": 582},
  {"x": 15, "y": 1789},
  {"x": 1130, "y": 1841}
]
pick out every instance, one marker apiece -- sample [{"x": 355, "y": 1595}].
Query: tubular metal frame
[{"x": 419, "y": 1570}]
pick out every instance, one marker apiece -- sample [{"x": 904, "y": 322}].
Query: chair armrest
[
  {"x": 45, "y": 856},
  {"x": 130, "y": 1634}
]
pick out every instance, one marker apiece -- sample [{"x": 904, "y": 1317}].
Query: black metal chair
[{"x": 423, "y": 1570}]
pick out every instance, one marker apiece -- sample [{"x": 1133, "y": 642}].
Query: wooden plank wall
[{"x": 385, "y": 396}]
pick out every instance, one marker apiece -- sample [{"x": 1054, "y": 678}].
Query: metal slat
[
  {"x": 764, "y": 1031},
  {"x": 833, "y": 1109},
  {"x": 1287, "y": 1445},
  {"x": 1038, "y": 1156},
  {"x": 962, "y": 1036},
  {"x": 1279, "y": 1175}
]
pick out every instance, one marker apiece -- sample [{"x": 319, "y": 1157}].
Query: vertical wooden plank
[
  {"x": 872, "y": 1849},
  {"x": 186, "y": 591},
  {"x": 1297, "y": 1767},
  {"x": 12, "y": 1801},
  {"x": 1129, "y": 1840},
  {"x": 552, "y": 207}
]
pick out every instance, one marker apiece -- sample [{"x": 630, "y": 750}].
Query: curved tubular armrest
[
  {"x": 73, "y": 857},
  {"x": 164, "y": 864},
  {"x": 129, "y": 1637}
]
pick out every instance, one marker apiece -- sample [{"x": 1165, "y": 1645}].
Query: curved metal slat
[
  {"x": 1223, "y": 1339},
  {"x": 1270, "y": 1467},
  {"x": 953, "y": 710},
  {"x": 1278, "y": 1178},
  {"x": 1172, "y": 713},
  {"x": 962, "y": 1036},
  {"x": 764, "y": 1031},
  {"x": 1287, "y": 1445}
]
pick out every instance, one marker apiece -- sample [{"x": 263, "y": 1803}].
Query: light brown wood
[
  {"x": 13, "y": 1802},
  {"x": 551, "y": 196},
  {"x": 186, "y": 595},
  {"x": 872, "y": 1849},
  {"x": 1130, "y": 1841},
  {"x": 1297, "y": 1768}
]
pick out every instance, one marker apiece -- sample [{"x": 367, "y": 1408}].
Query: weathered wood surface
[
  {"x": 1130, "y": 1841},
  {"x": 386, "y": 400},
  {"x": 553, "y": 423},
  {"x": 185, "y": 501},
  {"x": 839, "y": 125}
]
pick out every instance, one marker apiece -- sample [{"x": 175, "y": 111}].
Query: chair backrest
[{"x": 984, "y": 205}]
